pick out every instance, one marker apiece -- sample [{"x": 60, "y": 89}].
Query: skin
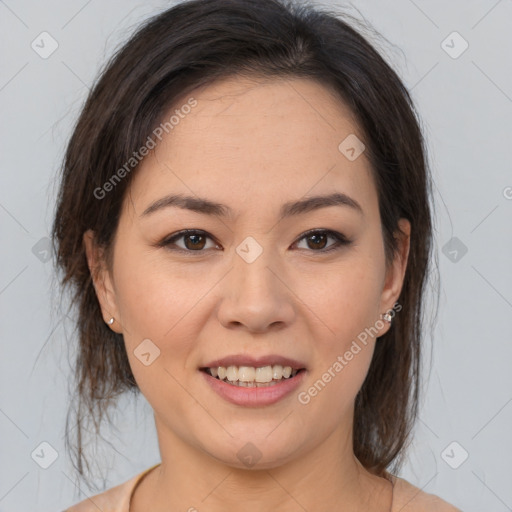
[{"x": 252, "y": 145}]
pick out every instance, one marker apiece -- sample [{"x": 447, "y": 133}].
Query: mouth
[{"x": 251, "y": 376}]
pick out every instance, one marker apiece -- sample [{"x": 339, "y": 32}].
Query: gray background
[{"x": 466, "y": 107}]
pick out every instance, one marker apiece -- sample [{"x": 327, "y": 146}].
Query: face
[{"x": 256, "y": 278}]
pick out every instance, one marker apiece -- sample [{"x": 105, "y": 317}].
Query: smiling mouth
[{"x": 251, "y": 377}]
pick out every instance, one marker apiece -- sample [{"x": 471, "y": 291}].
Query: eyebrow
[{"x": 292, "y": 208}]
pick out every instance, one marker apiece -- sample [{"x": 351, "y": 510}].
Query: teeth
[
  {"x": 277, "y": 371},
  {"x": 232, "y": 373},
  {"x": 264, "y": 374},
  {"x": 248, "y": 376}
]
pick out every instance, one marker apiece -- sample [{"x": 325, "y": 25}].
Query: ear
[
  {"x": 396, "y": 270},
  {"x": 102, "y": 280}
]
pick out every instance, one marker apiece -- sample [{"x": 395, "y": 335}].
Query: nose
[{"x": 256, "y": 296}]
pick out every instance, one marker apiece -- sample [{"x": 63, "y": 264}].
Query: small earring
[
  {"x": 387, "y": 317},
  {"x": 111, "y": 321}
]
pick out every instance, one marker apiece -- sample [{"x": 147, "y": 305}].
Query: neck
[{"x": 190, "y": 479}]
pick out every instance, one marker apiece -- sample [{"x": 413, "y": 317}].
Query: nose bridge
[
  {"x": 252, "y": 274},
  {"x": 255, "y": 297}
]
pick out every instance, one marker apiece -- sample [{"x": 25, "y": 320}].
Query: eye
[
  {"x": 194, "y": 240},
  {"x": 319, "y": 238}
]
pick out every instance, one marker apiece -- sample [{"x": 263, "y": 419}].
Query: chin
[{"x": 256, "y": 452}]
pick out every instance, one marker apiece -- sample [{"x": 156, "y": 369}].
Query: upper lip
[{"x": 256, "y": 362}]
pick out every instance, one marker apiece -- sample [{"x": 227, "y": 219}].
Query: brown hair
[{"x": 193, "y": 44}]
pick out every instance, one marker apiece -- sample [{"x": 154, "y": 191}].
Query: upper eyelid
[{"x": 177, "y": 236}]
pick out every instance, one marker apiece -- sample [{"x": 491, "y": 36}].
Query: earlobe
[{"x": 101, "y": 280}]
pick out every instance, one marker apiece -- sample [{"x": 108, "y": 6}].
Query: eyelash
[{"x": 341, "y": 240}]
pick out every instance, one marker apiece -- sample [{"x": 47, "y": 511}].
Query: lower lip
[{"x": 254, "y": 396}]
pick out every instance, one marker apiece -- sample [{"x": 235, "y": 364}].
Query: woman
[{"x": 244, "y": 219}]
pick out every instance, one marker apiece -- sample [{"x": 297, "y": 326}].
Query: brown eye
[
  {"x": 193, "y": 241},
  {"x": 317, "y": 240},
  {"x": 196, "y": 241}
]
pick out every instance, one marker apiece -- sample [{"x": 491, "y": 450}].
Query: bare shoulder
[
  {"x": 409, "y": 498},
  {"x": 114, "y": 499}
]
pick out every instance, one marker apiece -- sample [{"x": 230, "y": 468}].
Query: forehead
[{"x": 256, "y": 139}]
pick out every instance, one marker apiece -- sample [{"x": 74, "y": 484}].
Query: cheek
[
  {"x": 150, "y": 298},
  {"x": 347, "y": 305},
  {"x": 157, "y": 305},
  {"x": 345, "y": 300}
]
